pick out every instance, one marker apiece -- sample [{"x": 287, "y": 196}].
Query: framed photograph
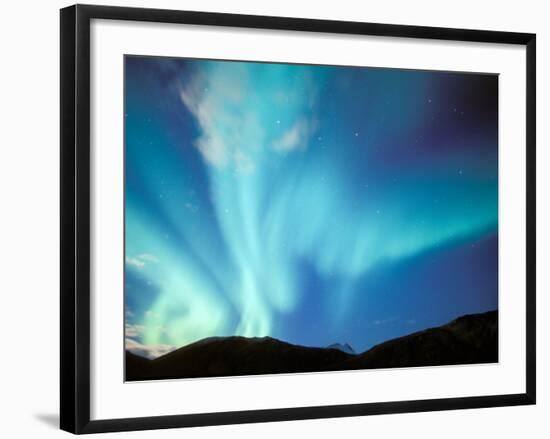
[{"x": 268, "y": 218}]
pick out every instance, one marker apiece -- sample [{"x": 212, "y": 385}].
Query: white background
[{"x": 30, "y": 204}]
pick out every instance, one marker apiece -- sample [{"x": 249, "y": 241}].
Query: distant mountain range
[
  {"x": 342, "y": 347},
  {"x": 468, "y": 339}
]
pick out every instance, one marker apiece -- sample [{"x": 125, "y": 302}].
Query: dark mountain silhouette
[
  {"x": 231, "y": 356},
  {"x": 136, "y": 365},
  {"x": 467, "y": 340}
]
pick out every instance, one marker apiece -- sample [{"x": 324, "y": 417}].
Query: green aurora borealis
[{"x": 313, "y": 204}]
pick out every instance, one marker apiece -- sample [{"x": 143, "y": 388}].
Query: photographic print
[{"x": 289, "y": 218}]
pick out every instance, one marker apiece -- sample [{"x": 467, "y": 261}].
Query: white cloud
[
  {"x": 134, "y": 262},
  {"x": 133, "y": 330},
  {"x": 235, "y": 131},
  {"x": 221, "y": 141},
  {"x": 148, "y": 351},
  {"x": 148, "y": 257},
  {"x": 207, "y": 112},
  {"x": 294, "y": 138},
  {"x": 141, "y": 260},
  {"x": 213, "y": 150}
]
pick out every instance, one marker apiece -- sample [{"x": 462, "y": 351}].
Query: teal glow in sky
[{"x": 312, "y": 204}]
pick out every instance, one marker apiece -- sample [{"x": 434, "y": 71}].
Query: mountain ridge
[
  {"x": 468, "y": 339},
  {"x": 346, "y": 347}
]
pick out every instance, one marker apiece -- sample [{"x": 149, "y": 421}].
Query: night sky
[{"x": 313, "y": 204}]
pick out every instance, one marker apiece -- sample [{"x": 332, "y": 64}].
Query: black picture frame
[{"x": 75, "y": 217}]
